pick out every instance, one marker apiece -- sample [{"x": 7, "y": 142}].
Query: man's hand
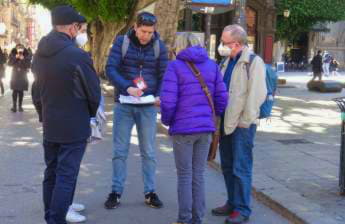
[
  {"x": 134, "y": 91},
  {"x": 158, "y": 102}
]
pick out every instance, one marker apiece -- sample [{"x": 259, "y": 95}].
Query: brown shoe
[
  {"x": 236, "y": 218},
  {"x": 224, "y": 210}
]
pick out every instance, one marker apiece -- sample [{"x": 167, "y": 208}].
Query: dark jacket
[
  {"x": 3, "y": 60},
  {"x": 122, "y": 72},
  {"x": 317, "y": 64},
  {"x": 184, "y": 105},
  {"x": 58, "y": 91},
  {"x": 19, "y": 79}
]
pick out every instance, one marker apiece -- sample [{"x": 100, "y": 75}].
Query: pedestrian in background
[
  {"x": 186, "y": 110},
  {"x": 67, "y": 94},
  {"x": 245, "y": 79},
  {"x": 326, "y": 63},
  {"x": 136, "y": 64},
  {"x": 3, "y": 60},
  {"x": 317, "y": 66},
  {"x": 333, "y": 68},
  {"x": 20, "y": 61}
]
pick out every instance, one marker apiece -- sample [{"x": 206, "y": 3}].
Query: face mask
[
  {"x": 224, "y": 51},
  {"x": 81, "y": 39}
]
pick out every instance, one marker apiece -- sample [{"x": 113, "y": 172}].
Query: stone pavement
[
  {"x": 297, "y": 154},
  {"x": 21, "y": 170}
]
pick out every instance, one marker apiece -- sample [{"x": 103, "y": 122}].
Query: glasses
[
  {"x": 228, "y": 43},
  {"x": 147, "y": 19}
]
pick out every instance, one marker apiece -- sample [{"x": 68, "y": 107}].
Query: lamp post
[{"x": 240, "y": 13}]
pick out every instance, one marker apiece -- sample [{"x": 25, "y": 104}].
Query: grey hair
[
  {"x": 237, "y": 33},
  {"x": 185, "y": 40}
]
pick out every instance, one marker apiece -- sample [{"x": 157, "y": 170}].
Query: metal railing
[{"x": 341, "y": 104}]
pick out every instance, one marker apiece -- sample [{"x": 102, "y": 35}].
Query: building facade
[
  {"x": 332, "y": 42},
  {"x": 20, "y": 27},
  {"x": 260, "y": 16}
]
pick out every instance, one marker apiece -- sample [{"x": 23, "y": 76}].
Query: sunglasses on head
[{"x": 147, "y": 19}]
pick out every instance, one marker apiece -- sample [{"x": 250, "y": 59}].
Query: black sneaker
[
  {"x": 113, "y": 201},
  {"x": 152, "y": 200}
]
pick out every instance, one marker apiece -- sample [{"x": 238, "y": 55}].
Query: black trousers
[
  {"x": 60, "y": 178},
  {"x": 17, "y": 95}
]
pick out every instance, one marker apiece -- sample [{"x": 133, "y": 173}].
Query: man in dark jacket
[
  {"x": 135, "y": 66},
  {"x": 317, "y": 66},
  {"x": 67, "y": 94},
  {"x": 3, "y": 60}
]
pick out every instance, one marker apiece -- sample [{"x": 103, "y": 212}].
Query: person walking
[
  {"x": 245, "y": 78},
  {"x": 67, "y": 94},
  {"x": 20, "y": 61},
  {"x": 135, "y": 66},
  {"x": 186, "y": 109},
  {"x": 3, "y": 60},
  {"x": 326, "y": 63},
  {"x": 333, "y": 68},
  {"x": 317, "y": 66}
]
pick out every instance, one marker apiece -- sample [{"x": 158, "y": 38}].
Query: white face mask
[
  {"x": 224, "y": 51},
  {"x": 81, "y": 39}
]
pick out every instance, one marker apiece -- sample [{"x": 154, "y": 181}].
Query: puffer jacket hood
[
  {"x": 195, "y": 54},
  {"x": 53, "y": 43}
]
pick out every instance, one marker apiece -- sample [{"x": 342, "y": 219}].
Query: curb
[
  {"x": 267, "y": 200},
  {"x": 257, "y": 194}
]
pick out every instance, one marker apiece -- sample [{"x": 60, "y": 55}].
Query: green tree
[
  {"x": 107, "y": 18},
  {"x": 306, "y": 13}
]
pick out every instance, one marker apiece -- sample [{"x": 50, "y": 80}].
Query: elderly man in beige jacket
[{"x": 244, "y": 76}]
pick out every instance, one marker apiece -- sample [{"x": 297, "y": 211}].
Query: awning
[
  {"x": 211, "y": 6},
  {"x": 213, "y": 2},
  {"x": 321, "y": 27}
]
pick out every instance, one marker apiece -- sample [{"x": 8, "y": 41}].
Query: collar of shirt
[{"x": 230, "y": 68}]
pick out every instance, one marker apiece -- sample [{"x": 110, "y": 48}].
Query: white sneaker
[
  {"x": 74, "y": 217},
  {"x": 77, "y": 207}
]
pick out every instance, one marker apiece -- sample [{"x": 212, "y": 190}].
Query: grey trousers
[{"x": 191, "y": 158}]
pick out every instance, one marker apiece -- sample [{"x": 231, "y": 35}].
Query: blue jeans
[
  {"x": 145, "y": 118},
  {"x": 191, "y": 153},
  {"x": 60, "y": 178},
  {"x": 236, "y": 154}
]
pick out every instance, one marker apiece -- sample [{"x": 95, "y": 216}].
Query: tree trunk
[
  {"x": 102, "y": 36},
  {"x": 167, "y": 12}
]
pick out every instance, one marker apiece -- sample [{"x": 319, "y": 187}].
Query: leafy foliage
[
  {"x": 306, "y": 13},
  {"x": 103, "y": 10}
]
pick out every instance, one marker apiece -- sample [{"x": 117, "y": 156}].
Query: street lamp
[{"x": 286, "y": 13}]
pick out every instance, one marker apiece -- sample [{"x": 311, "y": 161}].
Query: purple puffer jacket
[{"x": 184, "y": 105}]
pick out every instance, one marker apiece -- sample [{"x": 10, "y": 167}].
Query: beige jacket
[{"x": 245, "y": 95}]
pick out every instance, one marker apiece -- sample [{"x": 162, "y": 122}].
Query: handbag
[{"x": 216, "y": 135}]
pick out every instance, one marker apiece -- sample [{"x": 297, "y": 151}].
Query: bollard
[{"x": 341, "y": 105}]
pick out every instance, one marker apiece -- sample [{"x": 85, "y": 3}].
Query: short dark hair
[
  {"x": 146, "y": 19},
  {"x": 319, "y": 52}
]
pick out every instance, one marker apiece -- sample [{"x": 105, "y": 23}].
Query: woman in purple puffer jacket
[{"x": 185, "y": 109}]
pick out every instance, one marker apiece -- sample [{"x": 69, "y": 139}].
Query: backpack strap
[
  {"x": 156, "y": 48},
  {"x": 125, "y": 45},
  {"x": 251, "y": 59},
  {"x": 204, "y": 87}
]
